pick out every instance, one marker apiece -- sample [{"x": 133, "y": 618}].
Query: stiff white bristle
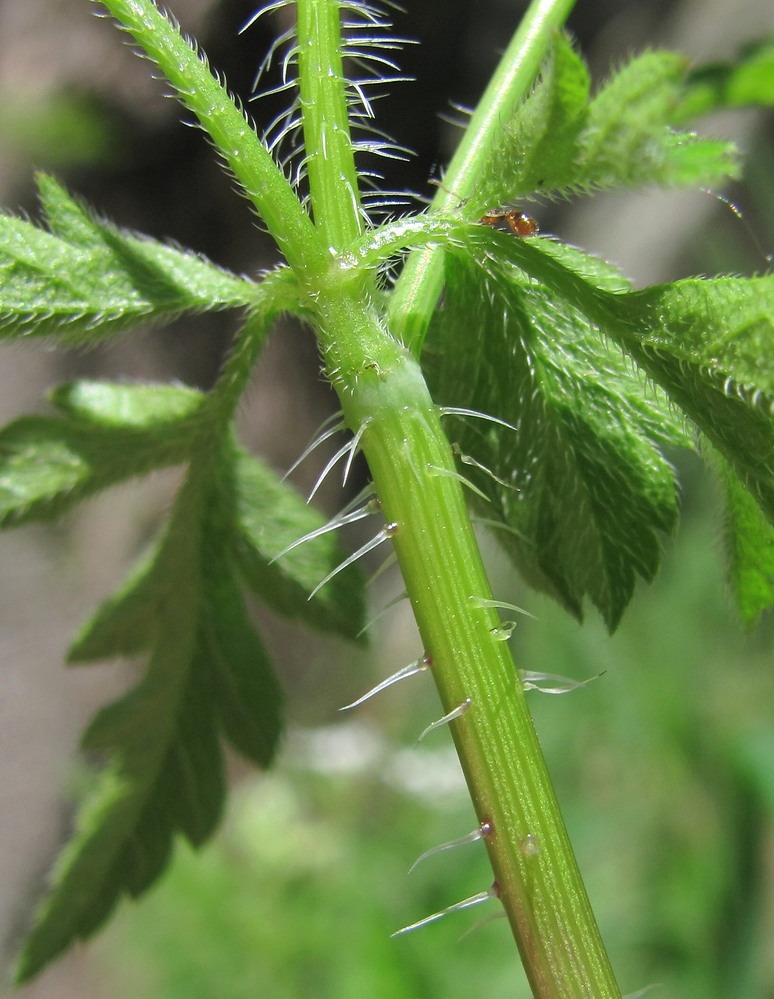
[
  {"x": 322, "y": 434},
  {"x": 481, "y": 832},
  {"x": 418, "y": 666},
  {"x": 369, "y": 546},
  {"x": 551, "y": 683},
  {"x": 501, "y": 604},
  {"x": 340, "y": 520},
  {"x": 461, "y": 411},
  {"x": 466, "y": 903},
  {"x": 455, "y": 713},
  {"x": 449, "y": 473}
]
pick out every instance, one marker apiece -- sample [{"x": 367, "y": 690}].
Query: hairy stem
[
  {"x": 382, "y": 391},
  {"x": 246, "y": 156},
  {"x": 419, "y": 286},
  {"x": 330, "y": 161}
]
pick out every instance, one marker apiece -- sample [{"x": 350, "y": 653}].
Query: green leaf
[
  {"x": 628, "y": 141},
  {"x": 207, "y": 673},
  {"x": 559, "y": 142},
  {"x": 581, "y": 487},
  {"x": 110, "y": 433},
  {"x": 86, "y": 279},
  {"x": 707, "y": 343},
  {"x": 747, "y": 81},
  {"x": 126, "y": 623},
  {"x": 135, "y": 406},
  {"x": 710, "y": 345},
  {"x": 164, "y": 774},
  {"x": 723, "y": 324},
  {"x": 247, "y": 697},
  {"x": 269, "y": 516},
  {"x": 255, "y": 516},
  {"x": 538, "y": 148},
  {"x": 749, "y": 543}
]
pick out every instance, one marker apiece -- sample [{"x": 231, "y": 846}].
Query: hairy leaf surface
[
  {"x": 704, "y": 342},
  {"x": 109, "y": 433},
  {"x": 85, "y": 279},
  {"x": 749, "y": 543},
  {"x": 560, "y": 141},
  {"x": 581, "y": 483}
]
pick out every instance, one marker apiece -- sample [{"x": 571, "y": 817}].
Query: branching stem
[{"x": 419, "y": 286}]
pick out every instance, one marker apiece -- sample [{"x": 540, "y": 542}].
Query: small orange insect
[{"x": 519, "y": 223}]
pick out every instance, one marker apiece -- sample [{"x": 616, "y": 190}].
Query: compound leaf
[
  {"x": 708, "y": 344},
  {"x": 85, "y": 278},
  {"x": 581, "y": 485},
  {"x": 164, "y": 773},
  {"x": 559, "y": 141},
  {"x": 207, "y": 674},
  {"x": 109, "y": 434}
]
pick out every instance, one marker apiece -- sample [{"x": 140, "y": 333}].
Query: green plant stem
[
  {"x": 417, "y": 290},
  {"x": 384, "y": 397},
  {"x": 330, "y": 161},
  {"x": 233, "y": 136},
  {"x": 278, "y": 292},
  {"x": 383, "y": 392}
]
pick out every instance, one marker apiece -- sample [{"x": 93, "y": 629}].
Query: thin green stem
[
  {"x": 233, "y": 136},
  {"x": 278, "y": 292},
  {"x": 419, "y": 286},
  {"x": 330, "y": 161}
]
